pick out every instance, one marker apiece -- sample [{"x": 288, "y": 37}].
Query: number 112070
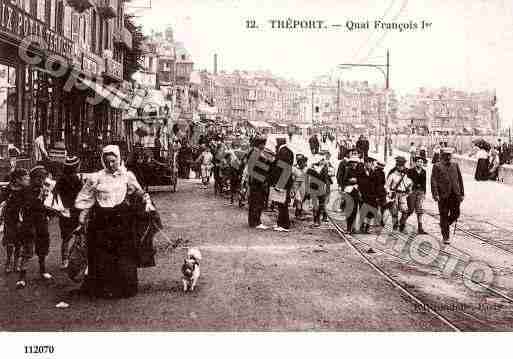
[{"x": 39, "y": 349}]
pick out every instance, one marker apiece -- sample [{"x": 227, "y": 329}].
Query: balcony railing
[
  {"x": 108, "y": 8},
  {"x": 113, "y": 70}
]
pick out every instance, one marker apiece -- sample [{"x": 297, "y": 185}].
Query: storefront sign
[{"x": 19, "y": 24}]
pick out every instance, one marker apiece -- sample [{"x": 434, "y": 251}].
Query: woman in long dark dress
[
  {"x": 111, "y": 242},
  {"x": 481, "y": 173}
]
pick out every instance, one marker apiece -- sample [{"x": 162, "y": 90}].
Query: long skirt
[
  {"x": 482, "y": 170},
  {"x": 112, "y": 253}
]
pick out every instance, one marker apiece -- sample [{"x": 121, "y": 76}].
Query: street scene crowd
[{"x": 109, "y": 219}]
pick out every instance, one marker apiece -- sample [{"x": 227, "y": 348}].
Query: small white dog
[{"x": 191, "y": 269}]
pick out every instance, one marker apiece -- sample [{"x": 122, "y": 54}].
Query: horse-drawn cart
[{"x": 152, "y": 152}]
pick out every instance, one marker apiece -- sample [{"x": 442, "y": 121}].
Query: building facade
[
  {"x": 60, "y": 64},
  {"x": 449, "y": 110},
  {"x": 253, "y": 96}
]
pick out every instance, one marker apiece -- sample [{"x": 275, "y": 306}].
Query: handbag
[
  {"x": 77, "y": 266},
  {"x": 279, "y": 196}
]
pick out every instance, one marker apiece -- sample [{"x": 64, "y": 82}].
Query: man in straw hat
[
  {"x": 448, "y": 190},
  {"x": 398, "y": 187}
]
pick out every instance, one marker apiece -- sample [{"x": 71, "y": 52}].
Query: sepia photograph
[{"x": 255, "y": 166}]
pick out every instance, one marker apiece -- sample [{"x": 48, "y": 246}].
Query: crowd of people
[
  {"x": 108, "y": 206},
  {"x": 489, "y": 159},
  {"x": 104, "y": 207},
  {"x": 286, "y": 179}
]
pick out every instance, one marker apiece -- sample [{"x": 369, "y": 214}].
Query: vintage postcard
[{"x": 254, "y": 166}]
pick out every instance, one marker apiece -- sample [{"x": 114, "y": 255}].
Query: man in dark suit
[
  {"x": 314, "y": 144},
  {"x": 447, "y": 189},
  {"x": 362, "y": 145},
  {"x": 281, "y": 179}
]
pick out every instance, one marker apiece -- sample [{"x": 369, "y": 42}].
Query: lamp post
[{"x": 385, "y": 70}]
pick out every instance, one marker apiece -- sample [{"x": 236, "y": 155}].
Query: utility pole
[
  {"x": 313, "y": 106},
  {"x": 338, "y": 102},
  {"x": 385, "y": 70},
  {"x": 387, "y": 87}
]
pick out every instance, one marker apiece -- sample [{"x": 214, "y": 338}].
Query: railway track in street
[
  {"x": 462, "y": 322},
  {"x": 483, "y": 231}
]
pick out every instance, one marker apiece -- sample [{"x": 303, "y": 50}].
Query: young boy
[
  {"x": 299, "y": 187},
  {"x": 13, "y": 239},
  {"x": 35, "y": 225},
  {"x": 205, "y": 160}
]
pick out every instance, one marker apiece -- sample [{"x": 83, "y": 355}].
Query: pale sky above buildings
[{"x": 469, "y": 45}]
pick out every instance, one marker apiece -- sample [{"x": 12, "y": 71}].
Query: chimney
[{"x": 215, "y": 64}]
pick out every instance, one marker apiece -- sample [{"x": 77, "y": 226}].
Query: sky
[{"x": 469, "y": 45}]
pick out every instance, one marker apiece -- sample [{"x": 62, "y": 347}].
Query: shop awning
[
  {"x": 259, "y": 124},
  {"x": 115, "y": 99}
]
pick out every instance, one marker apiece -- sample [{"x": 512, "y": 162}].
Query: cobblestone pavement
[{"x": 251, "y": 280}]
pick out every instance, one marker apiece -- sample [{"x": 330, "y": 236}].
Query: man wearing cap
[
  {"x": 68, "y": 186},
  {"x": 257, "y": 172},
  {"x": 317, "y": 180},
  {"x": 448, "y": 190},
  {"x": 399, "y": 186},
  {"x": 281, "y": 179},
  {"x": 352, "y": 172},
  {"x": 368, "y": 192},
  {"x": 416, "y": 198}
]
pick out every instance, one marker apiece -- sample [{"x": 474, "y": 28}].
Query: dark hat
[
  {"x": 259, "y": 141},
  {"x": 38, "y": 172},
  {"x": 71, "y": 161},
  {"x": 370, "y": 159},
  {"x": 420, "y": 158},
  {"x": 17, "y": 173},
  {"x": 400, "y": 160}
]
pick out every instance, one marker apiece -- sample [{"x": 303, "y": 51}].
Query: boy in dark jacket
[
  {"x": 35, "y": 225},
  {"x": 13, "y": 238}
]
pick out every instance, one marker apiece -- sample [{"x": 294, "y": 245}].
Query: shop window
[{"x": 8, "y": 102}]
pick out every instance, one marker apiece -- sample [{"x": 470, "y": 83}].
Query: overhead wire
[
  {"x": 380, "y": 41},
  {"x": 367, "y": 41}
]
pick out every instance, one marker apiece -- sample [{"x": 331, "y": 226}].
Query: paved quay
[{"x": 251, "y": 280}]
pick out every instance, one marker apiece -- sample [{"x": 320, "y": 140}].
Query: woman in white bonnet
[{"x": 111, "y": 243}]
